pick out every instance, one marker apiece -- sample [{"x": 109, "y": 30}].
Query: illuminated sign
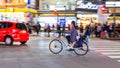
[
  {"x": 28, "y": 2},
  {"x": 12, "y": 3},
  {"x": 88, "y": 5},
  {"x": 113, "y": 4}
]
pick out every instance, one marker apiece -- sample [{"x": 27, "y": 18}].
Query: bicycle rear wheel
[
  {"x": 116, "y": 34},
  {"x": 81, "y": 51},
  {"x": 55, "y": 46}
]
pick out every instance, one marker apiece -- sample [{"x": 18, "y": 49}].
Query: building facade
[
  {"x": 16, "y": 10},
  {"x": 57, "y": 4},
  {"x": 65, "y": 11},
  {"x": 87, "y": 10}
]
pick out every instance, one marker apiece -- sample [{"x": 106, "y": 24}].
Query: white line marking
[
  {"x": 118, "y": 60},
  {"x": 108, "y": 53},
  {"x": 109, "y": 50},
  {"x": 106, "y": 48},
  {"x": 114, "y": 57}
]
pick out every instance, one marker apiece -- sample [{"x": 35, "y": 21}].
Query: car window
[
  {"x": 9, "y": 25},
  {"x": 5, "y": 25},
  {"x": 21, "y": 26},
  {"x": 2, "y": 25}
]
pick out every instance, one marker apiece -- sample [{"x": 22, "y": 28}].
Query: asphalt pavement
[{"x": 35, "y": 54}]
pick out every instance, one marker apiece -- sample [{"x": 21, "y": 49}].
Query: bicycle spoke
[
  {"x": 81, "y": 50},
  {"x": 55, "y": 46}
]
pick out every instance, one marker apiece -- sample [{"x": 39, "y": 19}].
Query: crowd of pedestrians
[
  {"x": 32, "y": 26},
  {"x": 96, "y": 29},
  {"x": 103, "y": 30}
]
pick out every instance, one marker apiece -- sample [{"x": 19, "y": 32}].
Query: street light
[
  {"x": 65, "y": 13},
  {"x": 114, "y": 20},
  {"x": 63, "y": 26}
]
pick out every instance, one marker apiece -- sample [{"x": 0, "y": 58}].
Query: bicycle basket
[{"x": 80, "y": 42}]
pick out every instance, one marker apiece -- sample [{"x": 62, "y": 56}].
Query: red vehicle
[
  {"x": 118, "y": 29},
  {"x": 13, "y": 32}
]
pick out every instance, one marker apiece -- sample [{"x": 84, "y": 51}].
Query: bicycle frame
[{"x": 63, "y": 43}]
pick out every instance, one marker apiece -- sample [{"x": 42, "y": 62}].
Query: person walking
[
  {"x": 81, "y": 28},
  {"x": 110, "y": 29},
  {"x": 68, "y": 27},
  {"x": 38, "y": 28},
  {"x": 58, "y": 30},
  {"x": 53, "y": 27},
  {"x": 29, "y": 27},
  {"x": 48, "y": 30},
  {"x": 103, "y": 31},
  {"x": 99, "y": 28}
]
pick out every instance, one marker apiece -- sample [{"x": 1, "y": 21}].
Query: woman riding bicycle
[
  {"x": 57, "y": 44},
  {"x": 73, "y": 34}
]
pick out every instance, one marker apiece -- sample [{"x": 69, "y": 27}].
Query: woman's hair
[{"x": 73, "y": 22}]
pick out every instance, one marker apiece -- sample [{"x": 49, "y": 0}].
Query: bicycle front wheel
[
  {"x": 82, "y": 50},
  {"x": 55, "y": 46}
]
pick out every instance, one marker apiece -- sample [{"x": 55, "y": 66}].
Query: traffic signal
[
  {"x": 55, "y": 12},
  {"x": 103, "y": 9}
]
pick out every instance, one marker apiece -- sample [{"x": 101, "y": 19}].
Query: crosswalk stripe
[
  {"x": 113, "y": 53},
  {"x": 114, "y": 57},
  {"x": 110, "y": 50},
  {"x": 106, "y": 48},
  {"x": 118, "y": 60}
]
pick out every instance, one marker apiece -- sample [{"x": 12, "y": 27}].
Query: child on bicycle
[
  {"x": 73, "y": 34},
  {"x": 87, "y": 33}
]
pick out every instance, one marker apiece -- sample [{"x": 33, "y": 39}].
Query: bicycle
[
  {"x": 114, "y": 34},
  {"x": 56, "y": 46}
]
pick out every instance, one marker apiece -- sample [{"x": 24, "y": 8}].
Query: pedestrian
[
  {"x": 38, "y": 28},
  {"x": 53, "y": 27},
  {"x": 29, "y": 27},
  {"x": 45, "y": 27},
  {"x": 99, "y": 30},
  {"x": 95, "y": 29},
  {"x": 68, "y": 27},
  {"x": 48, "y": 30},
  {"x": 92, "y": 26},
  {"x": 63, "y": 29},
  {"x": 81, "y": 28},
  {"x": 58, "y": 29},
  {"x": 103, "y": 31},
  {"x": 110, "y": 29}
]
